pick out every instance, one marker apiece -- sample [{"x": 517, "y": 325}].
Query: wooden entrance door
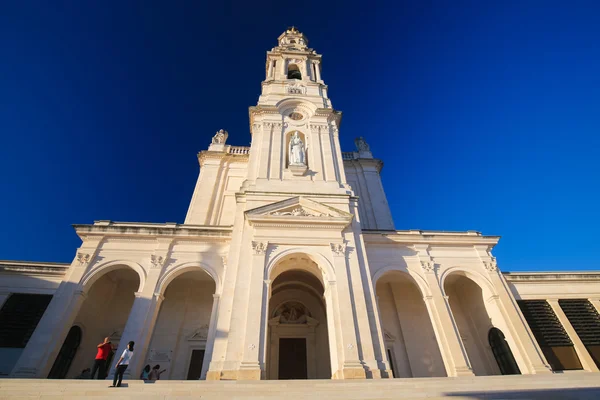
[
  {"x": 195, "y": 369},
  {"x": 292, "y": 358}
]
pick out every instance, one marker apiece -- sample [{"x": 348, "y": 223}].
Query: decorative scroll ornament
[
  {"x": 361, "y": 144},
  {"x": 259, "y": 247},
  {"x": 339, "y": 249},
  {"x": 83, "y": 258},
  {"x": 220, "y": 137},
  {"x": 428, "y": 266},
  {"x": 157, "y": 261},
  {"x": 300, "y": 212},
  {"x": 491, "y": 265}
]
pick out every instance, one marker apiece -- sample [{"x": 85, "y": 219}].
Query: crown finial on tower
[{"x": 293, "y": 39}]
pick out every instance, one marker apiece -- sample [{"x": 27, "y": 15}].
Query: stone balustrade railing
[{"x": 238, "y": 150}]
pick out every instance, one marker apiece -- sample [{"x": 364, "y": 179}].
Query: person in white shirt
[{"x": 122, "y": 364}]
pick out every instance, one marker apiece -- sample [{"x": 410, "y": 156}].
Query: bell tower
[{"x": 295, "y": 143}]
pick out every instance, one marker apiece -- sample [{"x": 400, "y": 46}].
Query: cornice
[
  {"x": 429, "y": 237},
  {"x": 219, "y": 155},
  {"x": 549, "y": 277},
  {"x": 375, "y": 162},
  {"x": 138, "y": 231},
  {"x": 33, "y": 268}
]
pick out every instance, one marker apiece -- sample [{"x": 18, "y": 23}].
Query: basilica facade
[{"x": 288, "y": 266}]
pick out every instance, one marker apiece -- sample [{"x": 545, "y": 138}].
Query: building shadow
[{"x": 535, "y": 394}]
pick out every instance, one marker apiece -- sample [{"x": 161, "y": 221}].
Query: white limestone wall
[
  {"x": 474, "y": 323},
  {"x": 26, "y": 278},
  {"x": 182, "y": 325},
  {"x": 364, "y": 179},
  {"x": 103, "y": 313},
  {"x": 408, "y": 329},
  {"x": 220, "y": 178}
]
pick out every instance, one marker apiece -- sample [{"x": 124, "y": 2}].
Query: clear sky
[{"x": 486, "y": 113}]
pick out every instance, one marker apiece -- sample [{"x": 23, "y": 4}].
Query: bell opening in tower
[{"x": 294, "y": 72}]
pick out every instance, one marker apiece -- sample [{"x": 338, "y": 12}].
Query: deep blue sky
[{"x": 486, "y": 114}]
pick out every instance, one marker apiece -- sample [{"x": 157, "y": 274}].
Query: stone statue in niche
[
  {"x": 361, "y": 144},
  {"x": 297, "y": 152},
  {"x": 220, "y": 137}
]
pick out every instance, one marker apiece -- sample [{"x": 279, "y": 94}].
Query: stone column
[
  {"x": 518, "y": 333},
  {"x": 210, "y": 340},
  {"x": 43, "y": 346},
  {"x": 250, "y": 367},
  {"x": 352, "y": 367},
  {"x": 333, "y": 327},
  {"x": 142, "y": 316},
  {"x": 451, "y": 345},
  {"x": 584, "y": 356},
  {"x": 318, "y": 68}
]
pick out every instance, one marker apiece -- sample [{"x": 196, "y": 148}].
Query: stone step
[{"x": 579, "y": 385}]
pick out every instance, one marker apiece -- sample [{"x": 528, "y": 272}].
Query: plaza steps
[{"x": 576, "y": 385}]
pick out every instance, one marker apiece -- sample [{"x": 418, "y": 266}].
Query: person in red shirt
[{"x": 104, "y": 350}]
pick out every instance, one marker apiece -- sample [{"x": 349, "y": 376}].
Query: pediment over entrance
[{"x": 298, "y": 210}]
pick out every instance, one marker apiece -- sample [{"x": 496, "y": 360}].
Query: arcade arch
[
  {"x": 298, "y": 329},
  {"x": 411, "y": 345},
  {"x": 475, "y": 318},
  {"x": 110, "y": 293},
  {"x": 180, "y": 338}
]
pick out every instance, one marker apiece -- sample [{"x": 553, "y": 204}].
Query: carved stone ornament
[
  {"x": 361, "y": 144},
  {"x": 158, "y": 355},
  {"x": 295, "y": 88},
  {"x": 259, "y": 247},
  {"x": 491, "y": 264},
  {"x": 296, "y": 116},
  {"x": 83, "y": 258},
  {"x": 300, "y": 212},
  {"x": 200, "y": 333},
  {"x": 292, "y": 312},
  {"x": 157, "y": 261},
  {"x": 220, "y": 137},
  {"x": 339, "y": 249},
  {"x": 428, "y": 266}
]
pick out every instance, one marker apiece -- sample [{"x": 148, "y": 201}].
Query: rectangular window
[
  {"x": 550, "y": 335},
  {"x": 585, "y": 320},
  {"x": 19, "y": 317}
]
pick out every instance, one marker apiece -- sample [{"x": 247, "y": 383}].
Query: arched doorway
[
  {"x": 104, "y": 313},
  {"x": 179, "y": 339},
  {"x": 297, "y": 336},
  {"x": 502, "y": 353},
  {"x": 411, "y": 345},
  {"x": 66, "y": 354},
  {"x": 474, "y": 320}
]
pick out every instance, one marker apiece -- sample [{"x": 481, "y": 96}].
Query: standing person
[
  {"x": 122, "y": 364},
  {"x": 104, "y": 350},
  {"x": 155, "y": 373}
]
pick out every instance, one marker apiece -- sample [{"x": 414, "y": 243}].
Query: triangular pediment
[{"x": 298, "y": 210}]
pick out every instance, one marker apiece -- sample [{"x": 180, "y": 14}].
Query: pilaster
[{"x": 446, "y": 331}]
